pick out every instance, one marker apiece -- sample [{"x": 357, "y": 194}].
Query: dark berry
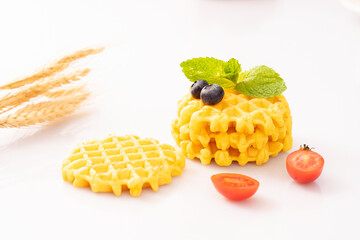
[
  {"x": 197, "y": 87},
  {"x": 212, "y": 94}
]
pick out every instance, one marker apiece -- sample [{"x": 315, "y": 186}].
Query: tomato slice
[
  {"x": 235, "y": 186},
  {"x": 304, "y": 166}
]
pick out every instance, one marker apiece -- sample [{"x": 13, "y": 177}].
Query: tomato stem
[{"x": 305, "y": 147}]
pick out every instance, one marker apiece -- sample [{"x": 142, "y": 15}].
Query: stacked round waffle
[
  {"x": 120, "y": 163},
  {"x": 239, "y": 128}
]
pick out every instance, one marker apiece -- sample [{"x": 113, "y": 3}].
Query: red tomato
[
  {"x": 304, "y": 165},
  {"x": 235, "y": 186}
]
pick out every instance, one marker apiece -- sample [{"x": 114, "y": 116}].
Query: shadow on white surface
[
  {"x": 65, "y": 127},
  {"x": 303, "y": 196},
  {"x": 334, "y": 186},
  {"x": 255, "y": 203},
  {"x": 312, "y": 188},
  {"x": 275, "y": 168}
]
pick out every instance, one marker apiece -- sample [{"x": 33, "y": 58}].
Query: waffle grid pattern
[
  {"x": 121, "y": 163},
  {"x": 239, "y": 128}
]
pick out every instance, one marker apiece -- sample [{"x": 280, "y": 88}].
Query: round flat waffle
[
  {"x": 239, "y": 128},
  {"x": 122, "y": 163}
]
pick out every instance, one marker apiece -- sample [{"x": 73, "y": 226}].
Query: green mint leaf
[
  {"x": 232, "y": 69},
  {"x": 221, "y": 81},
  {"x": 260, "y": 81},
  {"x": 196, "y": 68},
  {"x": 210, "y": 69}
]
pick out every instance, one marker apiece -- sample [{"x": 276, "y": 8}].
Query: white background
[{"x": 314, "y": 45}]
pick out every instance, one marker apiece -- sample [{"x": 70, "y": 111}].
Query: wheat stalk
[
  {"x": 50, "y": 70},
  {"x": 15, "y": 99},
  {"x": 42, "y": 112},
  {"x": 12, "y": 100},
  {"x": 61, "y": 97},
  {"x": 68, "y": 91}
]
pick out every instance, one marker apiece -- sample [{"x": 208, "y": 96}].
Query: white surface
[
  {"x": 352, "y": 5},
  {"x": 314, "y": 45}
]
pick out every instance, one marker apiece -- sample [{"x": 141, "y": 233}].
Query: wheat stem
[
  {"x": 62, "y": 97},
  {"x": 42, "y": 112},
  {"x": 50, "y": 70},
  {"x": 11, "y": 101},
  {"x": 63, "y": 92}
]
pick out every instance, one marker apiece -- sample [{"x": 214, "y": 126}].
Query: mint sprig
[
  {"x": 260, "y": 81},
  {"x": 211, "y": 70}
]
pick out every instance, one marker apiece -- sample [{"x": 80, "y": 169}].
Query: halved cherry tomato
[
  {"x": 235, "y": 186},
  {"x": 304, "y": 165}
]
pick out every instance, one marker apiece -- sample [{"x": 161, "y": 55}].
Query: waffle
[
  {"x": 239, "y": 128},
  {"x": 122, "y": 163}
]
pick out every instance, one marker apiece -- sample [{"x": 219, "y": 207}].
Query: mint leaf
[
  {"x": 260, "y": 81},
  {"x": 212, "y": 70},
  {"x": 196, "y": 68},
  {"x": 221, "y": 81},
  {"x": 232, "y": 69}
]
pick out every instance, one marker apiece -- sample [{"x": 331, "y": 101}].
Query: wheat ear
[
  {"x": 16, "y": 99},
  {"x": 52, "y": 68},
  {"x": 42, "y": 112},
  {"x": 63, "y": 92}
]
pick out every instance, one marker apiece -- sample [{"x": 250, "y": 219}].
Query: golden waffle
[
  {"x": 239, "y": 128},
  {"x": 121, "y": 163}
]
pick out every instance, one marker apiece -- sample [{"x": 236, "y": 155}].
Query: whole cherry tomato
[{"x": 304, "y": 165}]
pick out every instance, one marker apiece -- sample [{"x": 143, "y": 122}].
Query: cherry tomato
[
  {"x": 235, "y": 186},
  {"x": 304, "y": 165}
]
